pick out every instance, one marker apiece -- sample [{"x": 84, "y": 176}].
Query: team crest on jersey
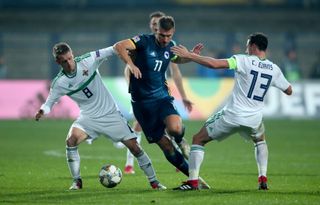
[
  {"x": 136, "y": 39},
  {"x": 85, "y": 72},
  {"x": 166, "y": 55}
]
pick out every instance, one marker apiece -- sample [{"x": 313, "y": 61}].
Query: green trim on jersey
[
  {"x": 83, "y": 85},
  {"x": 80, "y": 58},
  {"x": 232, "y": 63},
  {"x": 56, "y": 78}
]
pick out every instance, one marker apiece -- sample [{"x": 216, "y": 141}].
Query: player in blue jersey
[
  {"x": 151, "y": 101},
  {"x": 177, "y": 78}
]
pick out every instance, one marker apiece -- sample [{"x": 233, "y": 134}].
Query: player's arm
[
  {"x": 45, "y": 108},
  {"x": 177, "y": 78},
  {"x": 121, "y": 48},
  {"x": 206, "y": 61},
  {"x": 288, "y": 91},
  {"x": 104, "y": 52}
]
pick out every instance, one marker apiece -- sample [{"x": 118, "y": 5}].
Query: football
[{"x": 110, "y": 176}]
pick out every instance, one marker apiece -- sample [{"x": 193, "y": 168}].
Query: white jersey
[
  {"x": 85, "y": 87},
  {"x": 253, "y": 77}
]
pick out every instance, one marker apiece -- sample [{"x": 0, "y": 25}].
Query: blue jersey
[{"x": 153, "y": 61}]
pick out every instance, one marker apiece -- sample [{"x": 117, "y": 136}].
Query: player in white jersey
[
  {"x": 79, "y": 78},
  {"x": 242, "y": 114}
]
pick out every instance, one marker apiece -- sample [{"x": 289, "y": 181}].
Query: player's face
[
  {"x": 164, "y": 37},
  {"x": 154, "y": 24},
  {"x": 67, "y": 62}
]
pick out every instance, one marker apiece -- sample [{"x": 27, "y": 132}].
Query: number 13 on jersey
[{"x": 254, "y": 81}]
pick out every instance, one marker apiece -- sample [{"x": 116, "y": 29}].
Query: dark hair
[
  {"x": 60, "y": 49},
  {"x": 156, "y": 14},
  {"x": 166, "y": 23},
  {"x": 260, "y": 40}
]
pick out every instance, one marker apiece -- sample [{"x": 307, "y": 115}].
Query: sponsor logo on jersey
[
  {"x": 85, "y": 72},
  {"x": 136, "y": 39},
  {"x": 153, "y": 54},
  {"x": 166, "y": 55}
]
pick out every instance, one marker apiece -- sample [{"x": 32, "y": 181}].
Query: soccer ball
[{"x": 110, "y": 176}]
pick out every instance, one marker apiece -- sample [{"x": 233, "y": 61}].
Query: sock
[
  {"x": 138, "y": 134},
  {"x": 130, "y": 159},
  {"x": 195, "y": 161},
  {"x": 146, "y": 165},
  {"x": 261, "y": 154},
  {"x": 177, "y": 160},
  {"x": 73, "y": 160}
]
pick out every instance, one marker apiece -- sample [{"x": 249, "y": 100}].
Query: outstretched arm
[
  {"x": 207, "y": 61},
  {"x": 196, "y": 50},
  {"x": 122, "y": 48},
  {"x": 177, "y": 78}
]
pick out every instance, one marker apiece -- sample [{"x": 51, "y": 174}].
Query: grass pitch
[{"x": 33, "y": 168}]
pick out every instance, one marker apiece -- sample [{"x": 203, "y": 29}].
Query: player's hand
[
  {"x": 39, "y": 114},
  {"x": 187, "y": 104},
  {"x": 197, "y": 48},
  {"x": 135, "y": 71},
  {"x": 180, "y": 51}
]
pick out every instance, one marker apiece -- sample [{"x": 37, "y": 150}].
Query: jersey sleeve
[
  {"x": 103, "y": 54},
  {"x": 53, "y": 97},
  {"x": 172, "y": 55},
  {"x": 139, "y": 41},
  {"x": 280, "y": 81},
  {"x": 239, "y": 67}
]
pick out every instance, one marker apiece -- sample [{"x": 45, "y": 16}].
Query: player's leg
[
  {"x": 195, "y": 160},
  {"x": 144, "y": 163},
  {"x": 173, "y": 155},
  {"x": 129, "y": 167},
  {"x": 215, "y": 128},
  {"x": 261, "y": 155},
  {"x": 176, "y": 129},
  {"x": 74, "y": 138}
]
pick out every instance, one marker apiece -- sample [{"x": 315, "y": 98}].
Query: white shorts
[
  {"x": 219, "y": 128},
  {"x": 113, "y": 126}
]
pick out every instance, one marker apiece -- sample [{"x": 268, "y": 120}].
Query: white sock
[
  {"x": 195, "y": 161},
  {"x": 130, "y": 159},
  {"x": 146, "y": 165},
  {"x": 73, "y": 160},
  {"x": 261, "y": 154}
]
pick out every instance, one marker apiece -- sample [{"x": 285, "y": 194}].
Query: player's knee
[
  {"x": 175, "y": 130},
  {"x": 72, "y": 141},
  {"x": 134, "y": 147}
]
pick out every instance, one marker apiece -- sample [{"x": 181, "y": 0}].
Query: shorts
[
  {"x": 219, "y": 128},
  {"x": 113, "y": 126},
  {"x": 151, "y": 116}
]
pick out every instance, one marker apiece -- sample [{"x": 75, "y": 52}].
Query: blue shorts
[{"x": 151, "y": 116}]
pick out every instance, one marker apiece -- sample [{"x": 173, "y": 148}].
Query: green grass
[{"x": 33, "y": 168}]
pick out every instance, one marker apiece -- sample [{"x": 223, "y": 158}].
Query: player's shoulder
[
  {"x": 56, "y": 81},
  {"x": 82, "y": 57}
]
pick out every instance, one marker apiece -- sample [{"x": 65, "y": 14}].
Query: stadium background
[
  {"x": 32, "y": 155},
  {"x": 28, "y": 30}
]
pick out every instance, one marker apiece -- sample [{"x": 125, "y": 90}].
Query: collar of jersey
[{"x": 71, "y": 75}]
